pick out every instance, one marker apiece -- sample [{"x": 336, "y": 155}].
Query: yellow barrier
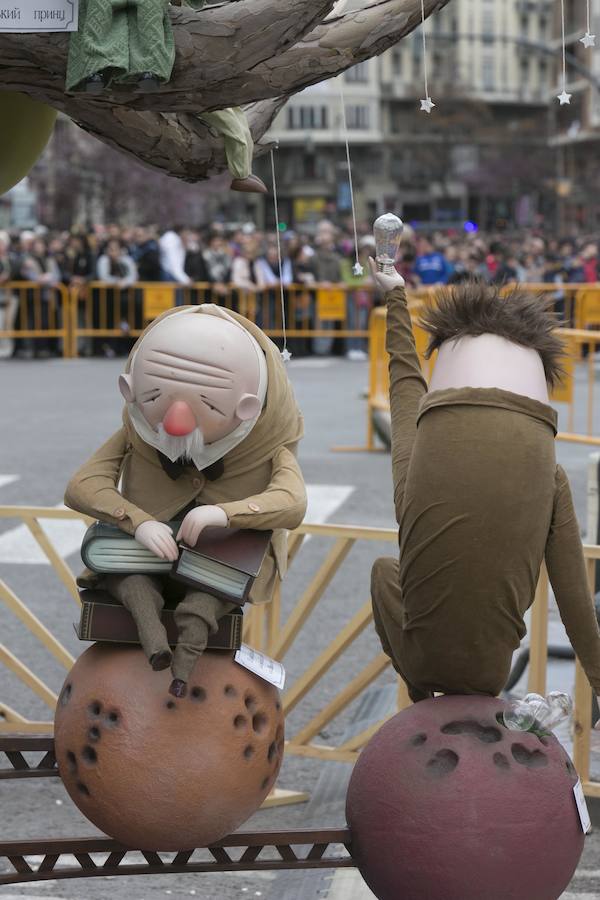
[
  {"x": 102, "y": 311},
  {"x": 266, "y": 630},
  {"x": 378, "y": 398},
  {"x": 32, "y": 312}
]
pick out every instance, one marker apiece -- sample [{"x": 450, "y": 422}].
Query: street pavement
[{"x": 53, "y": 415}]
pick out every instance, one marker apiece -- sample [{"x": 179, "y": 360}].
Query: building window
[
  {"x": 358, "y": 73},
  {"x": 397, "y": 62},
  {"x": 305, "y": 117},
  {"x": 487, "y": 73},
  {"x": 357, "y": 116},
  {"x": 487, "y": 22}
]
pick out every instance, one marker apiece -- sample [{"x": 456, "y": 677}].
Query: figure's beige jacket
[{"x": 261, "y": 487}]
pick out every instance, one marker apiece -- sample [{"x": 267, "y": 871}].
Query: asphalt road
[{"x": 53, "y": 415}]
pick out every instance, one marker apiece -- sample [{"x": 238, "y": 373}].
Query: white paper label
[
  {"x": 39, "y": 15},
  {"x": 263, "y": 666},
  {"x": 586, "y": 822}
]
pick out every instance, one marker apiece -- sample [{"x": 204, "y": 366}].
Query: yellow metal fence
[{"x": 267, "y": 630}]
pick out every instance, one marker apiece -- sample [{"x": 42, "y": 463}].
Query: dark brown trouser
[{"x": 196, "y": 616}]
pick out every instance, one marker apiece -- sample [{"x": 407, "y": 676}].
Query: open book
[{"x": 224, "y": 562}]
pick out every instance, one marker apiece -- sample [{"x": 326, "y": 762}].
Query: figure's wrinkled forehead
[{"x": 194, "y": 348}]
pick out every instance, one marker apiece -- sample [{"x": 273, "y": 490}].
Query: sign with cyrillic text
[{"x": 39, "y": 15}]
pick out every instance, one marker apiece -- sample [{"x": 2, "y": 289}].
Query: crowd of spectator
[{"x": 247, "y": 260}]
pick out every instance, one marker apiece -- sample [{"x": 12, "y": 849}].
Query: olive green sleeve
[
  {"x": 93, "y": 488},
  {"x": 281, "y": 505},
  {"x": 567, "y": 571},
  {"x": 407, "y": 387}
]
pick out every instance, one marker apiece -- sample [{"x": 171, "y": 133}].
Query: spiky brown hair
[{"x": 477, "y": 308}]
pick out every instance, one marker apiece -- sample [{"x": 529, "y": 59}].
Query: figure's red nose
[{"x": 179, "y": 419}]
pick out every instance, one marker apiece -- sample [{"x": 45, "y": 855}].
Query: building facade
[{"x": 483, "y": 154}]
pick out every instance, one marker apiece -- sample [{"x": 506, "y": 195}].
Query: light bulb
[
  {"x": 387, "y": 231},
  {"x": 560, "y": 706},
  {"x": 518, "y": 716}
]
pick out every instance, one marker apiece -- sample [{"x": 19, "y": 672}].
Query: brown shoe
[
  {"x": 178, "y": 688},
  {"x": 250, "y": 185},
  {"x": 161, "y": 660}
]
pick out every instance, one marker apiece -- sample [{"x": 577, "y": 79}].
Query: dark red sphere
[
  {"x": 158, "y": 773},
  {"x": 445, "y": 803}
]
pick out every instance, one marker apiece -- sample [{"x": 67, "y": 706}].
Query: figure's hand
[
  {"x": 384, "y": 281},
  {"x": 158, "y": 538},
  {"x": 197, "y": 520}
]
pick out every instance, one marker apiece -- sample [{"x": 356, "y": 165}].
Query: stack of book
[{"x": 224, "y": 562}]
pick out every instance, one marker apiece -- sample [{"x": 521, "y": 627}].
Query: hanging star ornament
[
  {"x": 427, "y": 105},
  {"x": 564, "y": 97},
  {"x": 286, "y": 355},
  {"x": 588, "y": 40},
  {"x": 357, "y": 269}
]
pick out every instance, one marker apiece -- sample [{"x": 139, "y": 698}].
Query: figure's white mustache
[{"x": 174, "y": 447}]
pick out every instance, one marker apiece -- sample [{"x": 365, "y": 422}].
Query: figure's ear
[
  {"x": 126, "y": 388},
  {"x": 248, "y": 407}
]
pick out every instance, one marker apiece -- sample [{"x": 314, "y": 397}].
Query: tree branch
[{"x": 227, "y": 55}]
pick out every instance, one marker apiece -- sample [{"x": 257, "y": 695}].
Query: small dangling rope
[
  {"x": 357, "y": 269},
  {"x": 427, "y": 104},
  {"x": 589, "y": 39},
  {"x": 563, "y": 97},
  {"x": 285, "y": 353}
]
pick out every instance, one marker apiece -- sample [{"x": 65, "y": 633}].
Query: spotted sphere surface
[
  {"x": 159, "y": 773},
  {"x": 446, "y": 803}
]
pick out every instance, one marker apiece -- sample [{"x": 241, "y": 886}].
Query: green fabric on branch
[{"x": 124, "y": 39}]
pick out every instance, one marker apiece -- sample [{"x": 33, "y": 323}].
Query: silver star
[
  {"x": 357, "y": 269},
  {"x": 427, "y": 105},
  {"x": 286, "y": 355},
  {"x": 564, "y": 97},
  {"x": 588, "y": 40}
]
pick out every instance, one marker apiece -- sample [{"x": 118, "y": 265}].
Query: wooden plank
[
  {"x": 311, "y": 596},
  {"x": 56, "y": 560},
  {"x": 327, "y": 658},
  {"x": 582, "y": 713},
  {"x": 371, "y": 671},
  {"x": 27, "y": 677},
  {"x": 37, "y": 628}
]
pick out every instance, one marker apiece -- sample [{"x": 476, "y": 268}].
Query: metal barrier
[
  {"x": 36, "y": 315},
  {"x": 265, "y": 630},
  {"x": 378, "y": 397},
  {"x": 106, "y": 312}
]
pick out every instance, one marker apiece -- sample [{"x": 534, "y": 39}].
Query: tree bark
[{"x": 256, "y": 50}]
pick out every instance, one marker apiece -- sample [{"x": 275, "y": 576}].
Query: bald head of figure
[{"x": 195, "y": 378}]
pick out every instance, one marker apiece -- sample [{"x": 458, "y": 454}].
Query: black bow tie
[{"x": 176, "y": 469}]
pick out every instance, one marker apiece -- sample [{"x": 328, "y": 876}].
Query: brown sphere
[{"x": 157, "y": 773}]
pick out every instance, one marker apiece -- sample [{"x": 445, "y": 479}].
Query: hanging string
[
  {"x": 357, "y": 269},
  {"x": 589, "y": 39},
  {"x": 285, "y": 353},
  {"x": 564, "y": 97},
  {"x": 427, "y": 104}
]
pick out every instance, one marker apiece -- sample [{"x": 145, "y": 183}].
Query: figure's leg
[
  {"x": 151, "y": 41},
  {"x": 407, "y": 388},
  {"x": 387, "y": 616},
  {"x": 142, "y": 596},
  {"x": 100, "y": 44},
  {"x": 232, "y": 126},
  {"x": 196, "y": 616}
]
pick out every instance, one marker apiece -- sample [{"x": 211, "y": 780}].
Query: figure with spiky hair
[{"x": 479, "y": 498}]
